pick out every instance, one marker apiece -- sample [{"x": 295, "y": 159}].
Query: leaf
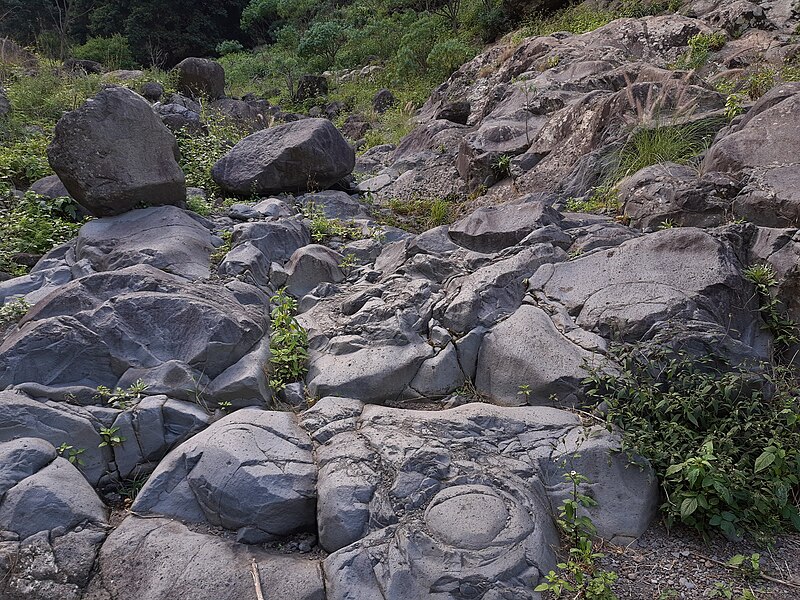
[
  {"x": 735, "y": 561},
  {"x": 673, "y": 469},
  {"x": 688, "y": 506},
  {"x": 764, "y": 461}
]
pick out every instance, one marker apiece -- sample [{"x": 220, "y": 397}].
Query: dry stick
[
  {"x": 256, "y": 579},
  {"x": 761, "y": 575}
]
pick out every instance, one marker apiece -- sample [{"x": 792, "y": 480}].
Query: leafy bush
[
  {"x": 321, "y": 43},
  {"x": 24, "y": 160},
  {"x": 288, "y": 343},
  {"x": 32, "y": 224},
  {"x": 724, "y": 442},
  {"x": 199, "y": 205},
  {"x": 13, "y": 311},
  {"x": 448, "y": 55},
  {"x": 200, "y": 152},
  {"x": 229, "y": 47},
  {"x": 700, "y": 47},
  {"x": 113, "y": 52}
]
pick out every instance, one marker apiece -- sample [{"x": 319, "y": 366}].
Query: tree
[
  {"x": 321, "y": 42},
  {"x": 449, "y": 10}
]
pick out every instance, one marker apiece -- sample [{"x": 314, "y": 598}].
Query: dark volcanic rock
[
  {"x": 113, "y": 154},
  {"x": 306, "y": 154}
]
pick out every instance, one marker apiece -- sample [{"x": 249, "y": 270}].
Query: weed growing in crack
[{"x": 288, "y": 343}]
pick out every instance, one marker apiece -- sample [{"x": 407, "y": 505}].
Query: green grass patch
[{"x": 418, "y": 214}]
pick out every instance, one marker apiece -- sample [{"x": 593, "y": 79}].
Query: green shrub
[
  {"x": 288, "y": 343},
  {"x": 33, "y": 224},
  {"x": 113, "y": 52},
  {"x": 229, "y": 47},
  {"x": 199, "y": 153},
  {"x": 199, "y": 205},
  {"x": 724, "y": 442},
  {"x": 13, "y": 311},
  {"x": 24, "y": 160},
  {"x": 700, "y": 47},
  {"x": 448, "y": 55}
]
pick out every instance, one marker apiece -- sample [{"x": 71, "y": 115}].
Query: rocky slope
[{"x": 366, "y": 495}]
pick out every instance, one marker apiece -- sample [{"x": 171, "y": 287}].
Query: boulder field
[{"x": 422, "y": 455}]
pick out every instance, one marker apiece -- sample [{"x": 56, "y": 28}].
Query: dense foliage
[
  {"x": 33, "y": 225},
  {"x": 724, "y": 442}
]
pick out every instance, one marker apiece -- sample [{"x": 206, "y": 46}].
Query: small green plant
[
  {"x": 579, "y": 575},
  {"x": 760, "y": 81},
  {"x": 748, "y": 566},
  {"x": 227, "y": 242},
  {"x": 721, "y": 590},
  {"x": 199, "y": 205},
  {"x": 603, "y": 199},
  {"x": 733, "y": 106},
  {"x": 668, "y": 224},
  {"x": 130, "y": 488},
  {"x": 700, "y": 47},
  {"x": 71, "y": 453},
  {"x": 110, "y": 437},
  {"x": 524, "y": 391},
  {"x": 783, "y": 329},
  {"x": 199, "y": 153},
  {"x": 501, "y": 167},
  {"x": 122, "y": 399},
  {"x": 348, "y": 263},
  {"x": 322, "y": 228},
  {"x": 288, "y": 343},
  {"x": 12, "y": 312},
  {"x": 225, "y": 406},
  {"x": 418, "y": 213}
]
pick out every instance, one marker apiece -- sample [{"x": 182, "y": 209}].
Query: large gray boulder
[
  {"x": 493, "y": 228},
  {"x": 311, "y": 265},
  {"x": 56, "y": 423},
  {"x": 458, "y": 501},
  {"x": 200, "y": 77},
  {"x": 761, "y": 151},
  {"x": 54, "y": 496},
  {"x": 680, "y": 273},
  {"x": 527, "y": 350},
  {"x": 93, "y": 330},
  {"x": 309, "y": 154},
  {"x": 165, "y": 237},
  {"x": 251, "y": 472},
  {"x": 143, "y": 557},
  {"x": 113, "y": 154}
]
